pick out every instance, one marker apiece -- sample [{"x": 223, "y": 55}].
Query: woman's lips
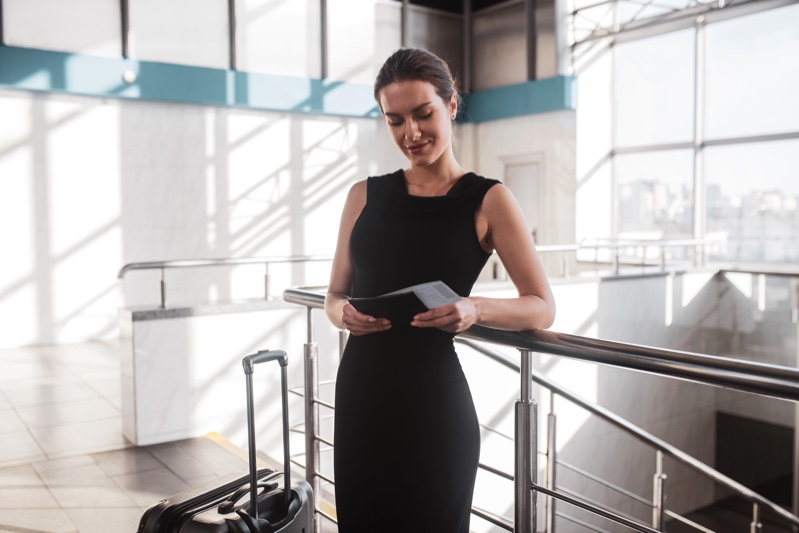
[{"x": 416, "y": 148}]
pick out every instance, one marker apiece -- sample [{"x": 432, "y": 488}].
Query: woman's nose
[{"x": 412, "y": 130}]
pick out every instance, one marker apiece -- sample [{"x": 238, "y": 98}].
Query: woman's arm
[
  {"x": 502, "y": 227},
  {"x": 337, "y": 306}
]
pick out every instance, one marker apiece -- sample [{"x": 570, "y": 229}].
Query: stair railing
[
  {"x": 770, "y": 380},
  {"x": 229, "y": 261},
  {"x": 614, "y": 246}
]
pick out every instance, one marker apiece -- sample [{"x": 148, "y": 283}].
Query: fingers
[
  {"x": 447, "y": 318},
  {"x": 358, "y": 323}
]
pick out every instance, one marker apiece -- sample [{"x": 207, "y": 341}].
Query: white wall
[
  {"x": 91, "y": 184},
  {"x": 81, "y": 26},
  {"x": 547, "y": 138}
]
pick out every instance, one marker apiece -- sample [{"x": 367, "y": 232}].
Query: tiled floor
[{"x": 64, "y": 465}]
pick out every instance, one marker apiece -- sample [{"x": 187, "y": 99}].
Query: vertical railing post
[
  {"x": 267, "y": 288},
  {"x": 659, "y": 495},
  {"x": 163, "y": 289},
  {"x": 756, "y": 526},
  {"x": 342, "y": 342},
  {"x": 552, "y": 463},
  {"x": 312, "y": 418},
  {"x": 795, "y": 481},
  {"x": 526, "y": 468}
]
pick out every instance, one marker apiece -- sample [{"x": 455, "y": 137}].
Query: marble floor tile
[
  {"x": 22, "y": 488},
  {"x": 85, "y": 486},
  {"x": 127, "y": 461},
  {"x": 83, "y": 437},
  {"x": 43, "y": 467},
  {"x": 118, "y": 520},
  {"x": 91, "y": 370},
  {"x": 19, "y": 446},
  {"x": 10, "y": 421},
  {"x": 219, "y": 460},
  {"x": 5, "y": 405},
  {"x": 34, "y": 393},
  {"x": 33, "y": 369},
  {"x": 179, "y": 461},
  {"x": 116, "y": 401},
  {"x": 36, "y": 520},
  {"x": 105, "y": 386},
  {"x": 147, "y": 488},
  {"x": 63, "y": 413}
]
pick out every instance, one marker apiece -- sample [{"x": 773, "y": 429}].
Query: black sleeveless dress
[{"x": 406, "y": 432}]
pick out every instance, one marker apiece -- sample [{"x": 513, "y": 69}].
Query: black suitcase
[{"x": 226, "y": 505}]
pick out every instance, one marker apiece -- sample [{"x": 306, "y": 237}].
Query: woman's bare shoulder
[
  {"x": 356, "y": 199},
  {"x": 498, "y": 197}
]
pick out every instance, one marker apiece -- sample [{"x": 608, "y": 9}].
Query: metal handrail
[
  {"x": 764, "y": 379},
  {"x": 237, "y": 261},
  {"x": 627, "y": 243},
  {"x": 617, "y": 244},
  {"x": 230, "y": 261},
  {"x": 636, "y": 432}
]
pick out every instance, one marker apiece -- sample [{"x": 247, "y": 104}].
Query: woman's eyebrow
[{"x": 414, "y": 110}]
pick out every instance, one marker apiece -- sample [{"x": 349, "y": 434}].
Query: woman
[{"x": 406, "y": 432}]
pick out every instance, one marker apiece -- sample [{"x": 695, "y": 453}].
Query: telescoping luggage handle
[{"x": 249, "y": 363}]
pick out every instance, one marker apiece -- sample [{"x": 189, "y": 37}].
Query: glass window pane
[
  {"x": 593, "y": 116},
  {"x": 655, "y": 194},
  {"x": 356, "y": 50},
  {"x": 82, "y": 26},
  {"x": 593, "y": 205},
  {"x": 188, "y": 32},
  {"x": 753, "y": 74},
  {"x": 499, "y": 48},
  {"x": 753, "y": 200},
  {"x": 655, "y": 90},
  {"x": 279, "y": 37},
  {"x": 439, "y": 32}
]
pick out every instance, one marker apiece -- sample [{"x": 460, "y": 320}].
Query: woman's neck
[{"x": 433, "y": 180}]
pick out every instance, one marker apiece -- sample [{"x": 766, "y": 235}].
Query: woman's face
[{"x": 419, "y": 121}]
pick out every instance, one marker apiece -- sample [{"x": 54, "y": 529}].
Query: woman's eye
[
  {"x": 426, "y": 115},
  {"x": 395, "y": 123}
]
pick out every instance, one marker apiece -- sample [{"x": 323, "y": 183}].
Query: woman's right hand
[{"x": 358, "y": 323}]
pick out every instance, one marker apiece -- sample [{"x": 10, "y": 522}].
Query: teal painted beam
[
  {"x": 51, "y": 71},
  {"x": 527, "y": 98}
]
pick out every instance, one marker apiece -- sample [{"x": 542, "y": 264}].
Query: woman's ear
[{"x": 453, "y": 106}]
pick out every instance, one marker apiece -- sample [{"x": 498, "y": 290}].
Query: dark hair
[{"x": 417, "y": 64}]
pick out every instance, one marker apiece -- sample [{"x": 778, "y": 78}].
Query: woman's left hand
[{"x": 453, "y": 318}]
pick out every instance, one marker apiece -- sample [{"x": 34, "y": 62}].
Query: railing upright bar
[
  {"x": 659, "y": 494},
  {"x": 163, "y": 289},
  {"x": 267, "y": 288},
  {"x": 756, "y": 526},
  {"x": 311, "y": 418},
  {"x": 552, "y": 463},
  {"x": 342, "y": 342},
  {"x": 526, "y": 443}
]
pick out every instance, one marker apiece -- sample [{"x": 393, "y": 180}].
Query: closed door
[{"x": 524, "y": 181}]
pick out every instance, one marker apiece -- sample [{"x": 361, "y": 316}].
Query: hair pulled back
[{"x": 417, "y": 64}]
